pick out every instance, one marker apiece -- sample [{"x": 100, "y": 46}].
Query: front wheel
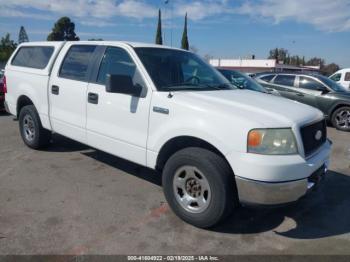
[
  {"x": 199, "y": 187},
  {"x": 341, "y": 118}
]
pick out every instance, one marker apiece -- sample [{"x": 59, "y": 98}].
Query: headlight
[{"x": 272, "y": 142}]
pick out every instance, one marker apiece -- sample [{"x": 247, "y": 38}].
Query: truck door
[
  {"x": 285, "y": 85},
  {"x": 118, "y": 123},
  {"x": 346, "y": 82},
  {"x": 68, "y": 90}
]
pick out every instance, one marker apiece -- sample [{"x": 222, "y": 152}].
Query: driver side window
[
  {"x": 309, "y": 83},
  {"x": 336, "y": 77},
  {"x": 116, "y": 61}
]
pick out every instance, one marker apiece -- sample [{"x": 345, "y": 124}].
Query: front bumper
[
  {"x": 276, "y": 180},
  {"x": 261, "y": 193}
]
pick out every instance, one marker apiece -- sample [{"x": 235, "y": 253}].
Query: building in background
[{"x": 253, "y": 66}]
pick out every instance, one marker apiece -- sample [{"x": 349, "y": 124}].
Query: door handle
[
  {"x": 93, "y": 98},
  {"x": 55, "y": 90}
]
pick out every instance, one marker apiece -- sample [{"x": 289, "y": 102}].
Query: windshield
[
  {"x": 174, "y": 70},
  {"x": 331, "y": 84},
  {"x": 242, "y": 81}
]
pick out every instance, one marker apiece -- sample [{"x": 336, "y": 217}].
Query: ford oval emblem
[{"x": 318, "y": 135}]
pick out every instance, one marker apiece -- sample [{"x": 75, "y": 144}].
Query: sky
[{"x": 219, "y": 28}]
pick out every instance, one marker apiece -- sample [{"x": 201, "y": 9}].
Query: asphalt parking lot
[{"x": 71, "y": 199}]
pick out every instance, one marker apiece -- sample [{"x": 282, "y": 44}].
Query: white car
[
  {"x": 164, "y": 108},
  {"x": 342, "y": 77}
]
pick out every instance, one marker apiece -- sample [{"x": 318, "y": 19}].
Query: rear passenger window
[
  {"x": 76, "y": 62},
  {"x": 286, "y": 80},
  {"x": 267, "y": 78},
  {"x": 33, "y": 56}
]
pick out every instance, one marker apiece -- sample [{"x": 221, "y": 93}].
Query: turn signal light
[{"x": 254, "y": 138}]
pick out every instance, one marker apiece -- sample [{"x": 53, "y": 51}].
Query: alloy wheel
[
  {"x": 342, "y": 119},
  {"x": 191, "y": 189},
  {"x": 28, "y": 128}
]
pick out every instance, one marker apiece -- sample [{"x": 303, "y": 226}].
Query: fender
[
  {"x": 40, "y": 103},
  {"x": 163, "y": 138}
]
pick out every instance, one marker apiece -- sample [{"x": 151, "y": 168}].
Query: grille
[{"x": 309, "y": 135}]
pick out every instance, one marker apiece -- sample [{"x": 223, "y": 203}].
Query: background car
[
  {"x": 342, "y": 77},
  {"x": 2, "y": 91},
  {"x": 244, "y": 81},
  {"x": 315, "y": 90}
]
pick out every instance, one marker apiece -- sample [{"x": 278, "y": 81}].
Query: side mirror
[
  {"x": 122, "y": 84},
  {"x": 322, "y": 89}
]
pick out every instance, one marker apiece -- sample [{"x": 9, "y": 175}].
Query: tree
[
  {"x": 316, "y": 61},
  {"x": 63, "y": 30},
  {"x": 287, "y": 60},
  {"x": 292, "y": 60},
  {"x": 159, "y": 38},
  {"x": 274, "y": 54},
  {"x": 22, "y": 36},
  {"x": 7, "y": 46},
  {"x": 279, "y": 54},
  {"x": 282, "y": 54},
  {"x": 184, "y": 41},
  {"x": 325, "y": 69},
  {"x": 329, "y": 69}
]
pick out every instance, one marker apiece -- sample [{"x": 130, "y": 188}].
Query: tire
[
  {"x": 206, "y": 180},
  {"x": 341, "y": 118},
  {"x": 32, "y": 132}
]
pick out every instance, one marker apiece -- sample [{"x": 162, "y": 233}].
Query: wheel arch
[
  {"x": 335, "y": 107},
  {"x": 23, "y": 101},
  {"x": 175, "y": 144}
]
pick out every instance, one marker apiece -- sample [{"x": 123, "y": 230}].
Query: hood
[{"x": 265, "y": 109}]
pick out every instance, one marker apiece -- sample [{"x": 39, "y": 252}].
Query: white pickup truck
[{"x": 166, "y": 109}]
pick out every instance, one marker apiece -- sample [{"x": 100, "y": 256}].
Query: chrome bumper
[{"x": 253, "y": 192}]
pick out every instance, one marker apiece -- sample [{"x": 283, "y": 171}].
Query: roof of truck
[{"x": 133, "y": 44}]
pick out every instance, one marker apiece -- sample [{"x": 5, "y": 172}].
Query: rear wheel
[
  {"x": 199, "y": 187},
  {"x": 341, "y": 118},
  {"x": 32, "y": 132}
]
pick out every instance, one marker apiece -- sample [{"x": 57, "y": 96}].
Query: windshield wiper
[
  {"x": 221, "y": 86},
  {"x": 179, "y": 84},
  {"x": 191, "y": 86},
  {"x": 185, "y": 86}
]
